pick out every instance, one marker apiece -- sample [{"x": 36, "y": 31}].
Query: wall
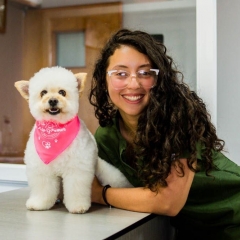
[
  {"x": 228, "y": 74},
  {"x": 9, "y": 186},
  {"x": 178, "y": 28},
  {"x": 10, "y": 69},
  {"x": 177, "y": 22},
  {"x": 179, "y": 36}
]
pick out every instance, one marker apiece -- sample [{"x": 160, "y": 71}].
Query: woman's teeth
[{"x": 132, "y": 98}]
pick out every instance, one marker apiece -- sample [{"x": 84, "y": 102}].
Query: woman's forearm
[
  {"x": 135, "y": 199},
  {"x": 167, "y": 201}
]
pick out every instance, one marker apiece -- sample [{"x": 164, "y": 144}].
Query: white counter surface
[{"x": 100, "y": 222}]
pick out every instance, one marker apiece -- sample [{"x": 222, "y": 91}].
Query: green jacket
[{"x": 212, "y": 210}]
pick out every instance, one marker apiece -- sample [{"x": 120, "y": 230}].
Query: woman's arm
[{"x": 168, "y": 201}]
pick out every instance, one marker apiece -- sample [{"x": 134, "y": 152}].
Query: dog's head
[{"x": 53, "y": 93}]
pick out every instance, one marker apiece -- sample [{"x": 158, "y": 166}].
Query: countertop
[{"x": 100, "y": 222}]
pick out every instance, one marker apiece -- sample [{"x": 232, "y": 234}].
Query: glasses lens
[
  {"x": 147, "y": 78},
  {"x": 120, "y": 79}
]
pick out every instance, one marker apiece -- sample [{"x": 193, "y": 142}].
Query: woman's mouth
[{"x": 133, "y": 98}]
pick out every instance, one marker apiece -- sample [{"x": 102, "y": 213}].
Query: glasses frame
[{"x": 131, "y": 75}]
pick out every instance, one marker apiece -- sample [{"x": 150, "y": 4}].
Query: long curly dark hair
[{"x": 174, "y": 121}]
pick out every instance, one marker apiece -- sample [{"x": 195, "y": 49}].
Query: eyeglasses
[{"x": 120, "y": 78}]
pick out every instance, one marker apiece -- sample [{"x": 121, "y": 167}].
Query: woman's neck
[{"x": 128, "y": 128}]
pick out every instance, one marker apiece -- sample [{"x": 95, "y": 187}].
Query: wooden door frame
[{"x": 40, "y": 25}]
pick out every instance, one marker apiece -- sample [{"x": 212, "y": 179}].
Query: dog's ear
[
  {"x": 22, "y": 87},
  {"x": 81, "y": 78}
]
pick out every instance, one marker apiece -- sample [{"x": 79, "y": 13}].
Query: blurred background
[{"x": 202, "y": 36}]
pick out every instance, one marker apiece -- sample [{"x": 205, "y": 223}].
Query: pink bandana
[{"x": 52, "y": 138}]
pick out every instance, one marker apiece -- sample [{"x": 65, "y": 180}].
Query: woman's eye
[
  {"x": 43, "y": 93},
  {"x": 144, "y": 73},
  {"x": 122, "y": 74},
  {"x": 62, "y": 92}
]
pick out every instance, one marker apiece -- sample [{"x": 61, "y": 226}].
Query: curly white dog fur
[{"x": 53, "y": 95}]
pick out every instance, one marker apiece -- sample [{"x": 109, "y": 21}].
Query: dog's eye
[
  {"x": 62, "y": 92},
  {"x": 43, "y": 92}
]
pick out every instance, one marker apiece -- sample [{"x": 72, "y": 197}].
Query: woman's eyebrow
[
  {"x": 145, "y": 65},
  {"x": 124, "y": 66},
  {"x": 120, "y": 66}
]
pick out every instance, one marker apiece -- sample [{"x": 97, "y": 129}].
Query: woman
[{"x": 159, "y": 134}]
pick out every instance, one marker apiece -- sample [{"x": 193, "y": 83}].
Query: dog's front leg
[
  {"x": 108, "y": 174},
  {"x": 44, "y": 191},
  {"x": 77, "y": 191}
]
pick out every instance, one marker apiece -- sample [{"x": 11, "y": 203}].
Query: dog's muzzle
[{"x": 53, "y": 110}]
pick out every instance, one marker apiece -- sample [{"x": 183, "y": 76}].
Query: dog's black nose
[{"x": 53, "y": 102}]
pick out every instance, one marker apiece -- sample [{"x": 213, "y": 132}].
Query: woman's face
[{"x": 131, "y": 100}]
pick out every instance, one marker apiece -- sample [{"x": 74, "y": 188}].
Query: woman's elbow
[
  {"x": 168, "y": 209},
  {"x": 171, "y": 212}
]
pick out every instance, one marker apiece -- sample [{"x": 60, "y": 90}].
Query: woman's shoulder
[
  {"x": 223, "y": 163},
  {"x": 220, "y": 160},
  {"x": 107, "y": 132},
  {"x": 110, "y": 136},
  {"x": 110, "y": 143}
]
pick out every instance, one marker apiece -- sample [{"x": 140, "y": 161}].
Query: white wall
[
  {"x": 9, "y": 186},
  {"x": 207, "y": 55},
  {"x": 12, "y": 176},
  {"x": 228, "y": 74}
]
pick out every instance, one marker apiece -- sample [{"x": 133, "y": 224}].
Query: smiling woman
[{"x": 3, "y": 15}]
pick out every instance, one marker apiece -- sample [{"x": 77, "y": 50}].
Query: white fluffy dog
[{"x": 60, "y": 147}]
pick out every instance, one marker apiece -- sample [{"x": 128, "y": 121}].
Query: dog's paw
[
  {"x": 78, "y": 207},
  {"x": 37, "y": 204}
]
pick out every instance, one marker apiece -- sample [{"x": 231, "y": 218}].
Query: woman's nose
[{"x": 133, "y": 82}]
